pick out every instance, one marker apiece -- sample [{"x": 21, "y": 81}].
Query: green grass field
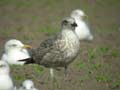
[{"x": 97, "y": 66}]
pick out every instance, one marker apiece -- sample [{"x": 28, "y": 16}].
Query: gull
[
  {"x": 82, "y": 30},
  {"x": 15, "y": 50},
  {"x": 6, "y": 82},
  {"x": 59, "y": 50},
  {"x": 27, "y": 85}
]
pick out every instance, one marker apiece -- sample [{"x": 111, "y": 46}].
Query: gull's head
[
  {"x": 28, "y": 85},
  {"x": 15, "y": 44},
  {"x": 69, "y": 23},
  {"x": 78, "y": 14},
  {"x": 4, "y": 67}
]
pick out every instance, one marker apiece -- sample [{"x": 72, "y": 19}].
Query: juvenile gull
[
  {"x": 15, "y": 50},
  {"x": 59, "y": 50},
  {"x": 6, "y": 82},
  {"x": 27, "y": 85},
  {"x": 82, "y": 30}
]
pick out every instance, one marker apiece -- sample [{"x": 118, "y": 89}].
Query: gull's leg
[
  {"x": 54, "y": 82},
  {"x": 51, "y": 72},
  {"x": 66, "y": 71}
]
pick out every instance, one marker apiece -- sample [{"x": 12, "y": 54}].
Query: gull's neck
[{"x": 70, "y": 35}]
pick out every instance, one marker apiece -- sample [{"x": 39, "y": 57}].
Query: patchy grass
[
  {"x": 103, "y": 78},
  {"x": 97, "y": 65},
  {"x": 115, "y": 53},
  {"x": 81, "y": 65},
  {"x": 48, "y": 30},
  {"x": 117, "y": 82},
  {"x": 38, "y": 69},
  {"x": 18, "y": 3}
]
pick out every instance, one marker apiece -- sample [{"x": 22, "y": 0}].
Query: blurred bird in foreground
[
  {"x": 15, "y": 50},
  {"x": 27, "y": 85},
  {"x": 6, "y": 82}
]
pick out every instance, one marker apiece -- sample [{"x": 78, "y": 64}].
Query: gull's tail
[{"x": 27, "y": 61}]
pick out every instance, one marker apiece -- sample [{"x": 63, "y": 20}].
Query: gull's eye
[
  {"x": 32, "y": 87},
  {"x": 14, "y": 45}
]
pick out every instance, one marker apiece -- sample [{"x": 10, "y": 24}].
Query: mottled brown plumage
[{"x": 59, "y": 50}]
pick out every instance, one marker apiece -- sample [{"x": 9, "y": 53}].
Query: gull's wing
[{"x": 49, "y": 52}]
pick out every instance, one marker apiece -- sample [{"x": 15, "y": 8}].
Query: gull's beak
[
  {"x": 84, "y": 16},
  {"x": 26, "y": 46}
]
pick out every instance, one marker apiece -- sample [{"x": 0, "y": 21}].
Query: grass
[
  {"x": 18, "y": 3},
  {"x": 27, "y": 35},
  {"x": 48, "y": 30},
  {"x": 19, "y": 77},
  {"x": 115, "y": 53},
  {"x": 102, "y": 51},
  {"x": 103, "y": 78},
  {"x": 95, "y": 67},
  {"x": 81, "y": 65},
  {"x": 38, "y": 69},
  {"x": 91, "y": 54},
  {"x": 117, "y": 82}
]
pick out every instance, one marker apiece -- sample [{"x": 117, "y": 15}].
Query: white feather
[
  {"x": 6, "y": 82},
  {"x": 27, "y": 85},
  {"x": 82, "y": 30},
  {"x": 13, "y": 54}
]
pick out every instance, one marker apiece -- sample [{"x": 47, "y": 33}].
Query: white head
[
  {"x": 78, "y": 14},
  {"x": 28, "y": 85},
  {"x": 14, "y": 44},
  {"x": 4, "y": 67}
]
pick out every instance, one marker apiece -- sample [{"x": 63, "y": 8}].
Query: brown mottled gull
[{"x": 59, "y": 50}]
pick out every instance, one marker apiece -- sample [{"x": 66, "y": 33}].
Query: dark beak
[{"x": 74, "y": 24}]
